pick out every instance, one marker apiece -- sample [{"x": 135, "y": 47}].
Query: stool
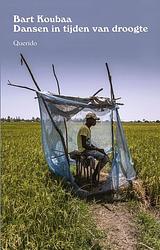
[{"x": 85, "y": 166}]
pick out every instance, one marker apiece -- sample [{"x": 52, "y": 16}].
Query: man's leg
[
  {"x": 102, "y": 160},
  {"x": 101, "y": 163}
]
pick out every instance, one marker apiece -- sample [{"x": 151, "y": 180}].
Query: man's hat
[{"x": 92, "y": 115}]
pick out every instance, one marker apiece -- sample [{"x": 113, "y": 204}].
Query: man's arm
[
  {"x": 86, "y": 145},
  {"x": 91, "y": 146}
]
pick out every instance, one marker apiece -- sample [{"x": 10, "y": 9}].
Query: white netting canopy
[{"x": 61, "y": 118}]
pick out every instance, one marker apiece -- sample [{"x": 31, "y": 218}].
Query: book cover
[{"x": 43, "y": 42}]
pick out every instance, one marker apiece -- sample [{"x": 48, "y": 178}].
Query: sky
[{"x": 79, "y": 58}]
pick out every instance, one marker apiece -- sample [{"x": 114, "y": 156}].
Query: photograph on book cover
[{"x": 80, "y": 97}]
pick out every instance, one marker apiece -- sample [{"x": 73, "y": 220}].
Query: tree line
[
  {"x": 19, "y": 119},
  {"x": 37, "y": 119}
]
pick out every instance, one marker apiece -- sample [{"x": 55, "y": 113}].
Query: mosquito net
[
  {"x": 122, "y": 171},
  {"x": 61, "y": 118}
]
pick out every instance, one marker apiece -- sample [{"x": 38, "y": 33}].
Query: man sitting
[{"x": 88, "y": 149}]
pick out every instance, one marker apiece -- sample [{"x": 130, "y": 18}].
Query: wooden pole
[
  {"x": 20, "y": 86},
  {"x": 59, "y": 92},
  {"x": 23, "y": 60},
  {"x": 97, "y": 92},
  {"x": 54, "y": 72},
  {"x": 54, "y": 124},
  {"x": 112, "y": 97},
  {"x": 110, "y": 81}
]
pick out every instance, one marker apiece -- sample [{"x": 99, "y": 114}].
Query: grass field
[
  {"x": 144, "y": 144},
  {"x": 37, "y": 212}
]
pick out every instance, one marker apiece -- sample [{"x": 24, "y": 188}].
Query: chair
[{"x": 85, "y": 166}]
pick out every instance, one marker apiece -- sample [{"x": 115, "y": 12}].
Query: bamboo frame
[{"x": 65, "y": 143}]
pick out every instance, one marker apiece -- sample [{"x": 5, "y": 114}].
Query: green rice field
[{"x": 37, "y": 213}]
